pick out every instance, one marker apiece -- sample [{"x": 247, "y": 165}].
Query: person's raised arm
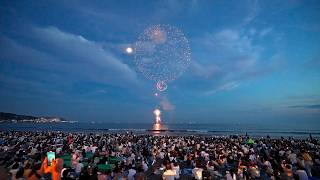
[
  {"x": 44, "y": 166},
  {"x": 55, "y": 168}
]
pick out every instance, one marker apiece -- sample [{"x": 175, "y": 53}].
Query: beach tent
[
  {"x": 66, "y": 160},
  {"x": 250, "y": 141},
  {"x": 104, "y": 167},
  {"x": 113, "y": 160}
]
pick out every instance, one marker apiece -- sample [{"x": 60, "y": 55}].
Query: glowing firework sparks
[
  {"x": 162, "y": 53},
  {"x": 157, "y": 113},
  {"x": 158, "y": 36},
  {"x": 162, "y": 86}
]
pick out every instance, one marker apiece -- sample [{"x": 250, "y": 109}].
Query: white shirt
[
  {"x": 145, "y": 167},
  {"x": 197, "y": 173},
  {"x": 131, "y": 174},
  {"x": 302, "y": 175},
  {"x": 293, "y": 158},
  {"x": 267, "y": 163},
  {"x": 58, "y": 150},
  {"x": 281, "y": 153},
  {"x": 79, "y": 167},
  {"x": 252, "y": 157},
  {"x": 177, "y": 169},
  {"x": 228, "y": 176},
  {"x": 169, "y": 174},
  {"x": 93, "y": 149},
  {"x": 161, "y": 155},
  {"x": 14, "y": 172}
]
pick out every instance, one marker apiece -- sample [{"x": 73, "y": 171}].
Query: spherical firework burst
[
  {"x": 162, "y": 54},
  {"x": 161, "y": 86}
]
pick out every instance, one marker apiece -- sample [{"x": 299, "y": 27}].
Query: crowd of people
[{"x": 146, "y": 156}]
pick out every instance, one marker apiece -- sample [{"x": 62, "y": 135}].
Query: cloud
[
  {"x": 254, "y": 10},
  {"x": 26, "y": 87},
  {"x": 79, "y": 49},
  {"x": 265, "y": 31},
  {"x": 237, "y": 42},
  {"x": 223, "y": 87},
  {"x": 309, "y": 106},
  {"x": 303, "y": 99},
  {"x": 14, "y": 52},
  {"x": 203, "y": 71},
  {"x": 70, "y": 56},
  {"x": 166, "y": 104},
  {"x": 226, "y": 58},
  {"x": 231, "y": 46},
  {"x": 313, "y": 63},
  {"x": 233, "y": 58}
]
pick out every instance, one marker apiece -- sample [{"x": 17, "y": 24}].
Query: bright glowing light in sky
[
  {"x": 129, "y": 50},
  {"x": 157, "y": 113}
]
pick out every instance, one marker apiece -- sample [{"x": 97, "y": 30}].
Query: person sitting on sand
[
  {"x": 197, "y": 171},
  {"x": 169, "y": 173},
  {"x": 302, "y": 174},
  {"x": 140, "y": 174},
  {"x": 131, "y": 172},
  {"x": 176, "y": 168}
]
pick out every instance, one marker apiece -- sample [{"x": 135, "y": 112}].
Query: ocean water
[{"x": 256, "y": 130}]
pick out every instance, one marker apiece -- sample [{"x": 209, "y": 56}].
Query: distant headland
[{"x": 15, "y": 118}]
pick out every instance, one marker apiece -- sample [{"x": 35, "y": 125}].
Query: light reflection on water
[
  {"x": 158, "y": 128},
  {"x": 178, "y": 129}
]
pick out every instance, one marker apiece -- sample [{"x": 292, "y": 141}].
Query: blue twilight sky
[{"x": 252, "y": 61}]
